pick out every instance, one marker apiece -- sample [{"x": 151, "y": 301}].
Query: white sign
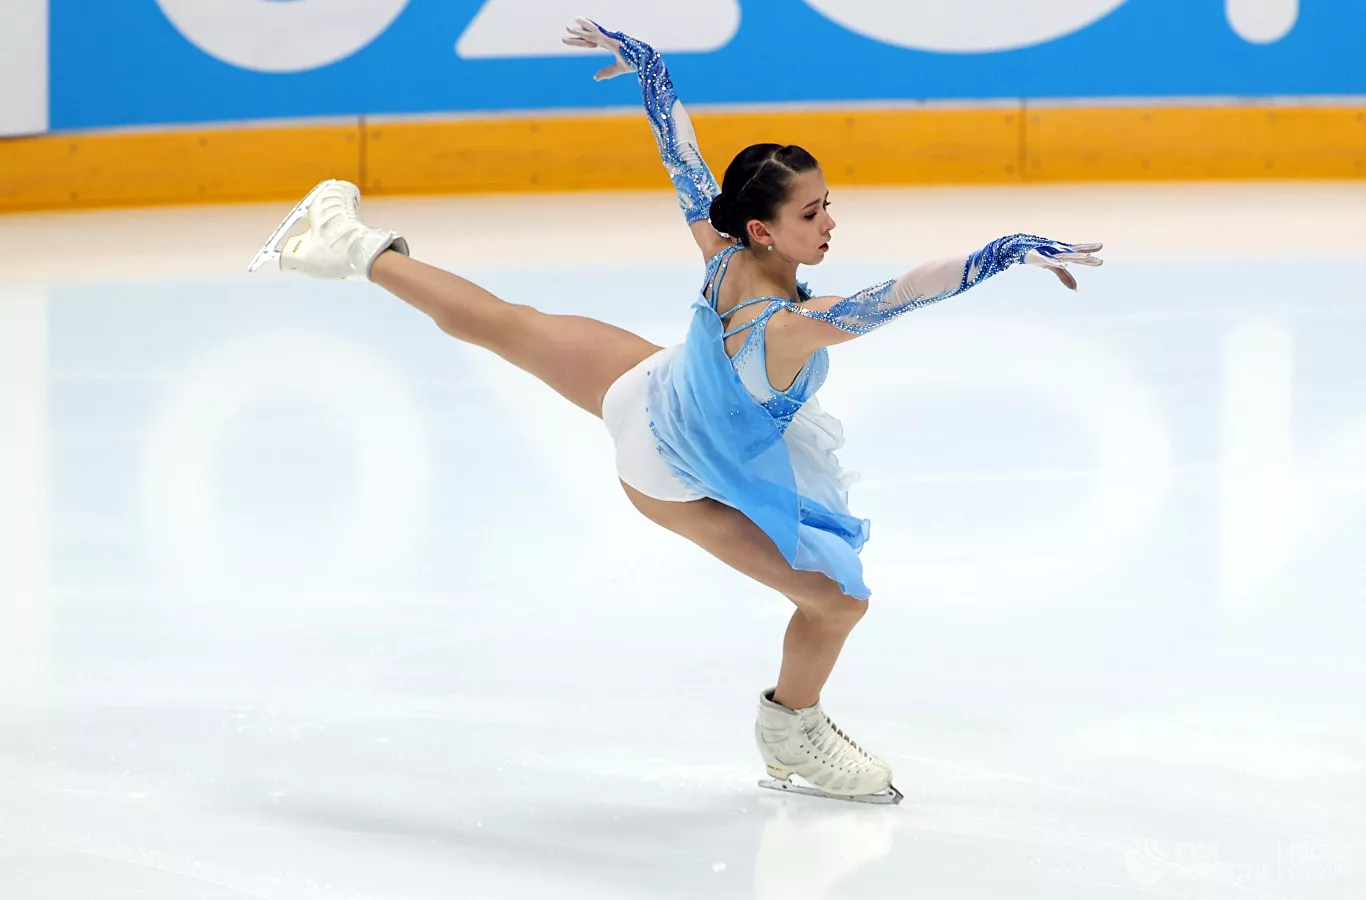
[
  {"x": 23, "y": 68},
  {"x": 270, "y": 36},
  {"x": 1262, "y": 21},
  {"x": 520, "y": 28},
  {"x": 965, "y": 26}
]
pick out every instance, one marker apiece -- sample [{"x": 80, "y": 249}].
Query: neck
[{"x": 774, "y": 268}]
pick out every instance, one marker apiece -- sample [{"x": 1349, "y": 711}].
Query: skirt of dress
[
  {"x": 639, "y": 461},
  {"x": 719, "y": 442}
]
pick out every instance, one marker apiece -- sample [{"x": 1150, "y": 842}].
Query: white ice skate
[
  {"x": 337, "y": 245},
  {"x": 804, "y": 742}
]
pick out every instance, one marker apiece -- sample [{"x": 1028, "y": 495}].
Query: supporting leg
[
  {"x": 824, "y": 617},
  {"x": 811, "y": 647},
  {"x": 794, "y": 735}
]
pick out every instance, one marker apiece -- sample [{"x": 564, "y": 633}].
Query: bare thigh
[
  {"x": 576, "y": 356},
  {"x": 730, "y": 536}
]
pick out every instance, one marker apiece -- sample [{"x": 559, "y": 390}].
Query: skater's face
[{"x": 801, "y": 230}]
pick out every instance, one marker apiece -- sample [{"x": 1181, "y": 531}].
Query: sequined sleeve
[
  {"x": 875, "y": 306},
  {"x": 673, "y": 129}
]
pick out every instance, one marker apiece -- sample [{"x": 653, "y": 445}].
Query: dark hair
[{"x": 756, "y": 184}]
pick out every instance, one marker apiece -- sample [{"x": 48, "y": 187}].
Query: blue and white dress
[{"x": 691, "y": 422}]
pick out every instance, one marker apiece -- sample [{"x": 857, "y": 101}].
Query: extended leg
[{"x": 576, "y": 356}]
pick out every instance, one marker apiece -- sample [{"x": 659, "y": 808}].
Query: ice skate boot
[
  {"x": 337, "y": 245},
  {"x": 804, "y": 742}
]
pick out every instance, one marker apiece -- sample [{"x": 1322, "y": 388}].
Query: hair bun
[{"x": 718, "y": 214}]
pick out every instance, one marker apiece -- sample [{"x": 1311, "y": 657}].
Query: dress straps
[
  {"x": 716, "y": 270},
  {"x": 721, "y": 262},
  {"x": 774, "y": 304}
]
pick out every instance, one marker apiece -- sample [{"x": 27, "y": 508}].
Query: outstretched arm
[
  {"x": 844, "y": 318},
  {"x": 673, "y": 129}
]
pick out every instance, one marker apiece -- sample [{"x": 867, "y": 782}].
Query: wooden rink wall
[{"x": 1010, "y": 142}]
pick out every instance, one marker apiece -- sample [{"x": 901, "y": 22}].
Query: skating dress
[{"x": 690, "y": 422}]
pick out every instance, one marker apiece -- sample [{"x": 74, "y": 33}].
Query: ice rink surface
[{"x": 299, "y": 598}]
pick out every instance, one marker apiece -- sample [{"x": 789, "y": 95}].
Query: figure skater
[{"x": 718, "y": 439}]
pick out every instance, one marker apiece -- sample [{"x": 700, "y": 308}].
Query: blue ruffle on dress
[
  {"x": 723, "y": 429},
  {"x": 772, "y": 457}
]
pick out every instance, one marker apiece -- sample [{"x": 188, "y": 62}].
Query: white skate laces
[
  {"x": 337, "y": 245},
  {"x": 805, "y": 742}
]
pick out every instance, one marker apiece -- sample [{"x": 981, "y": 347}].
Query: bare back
[{"x": 788, "y": 336}]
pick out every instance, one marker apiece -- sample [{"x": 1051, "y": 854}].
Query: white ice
[{"x": 299, "y": 598}]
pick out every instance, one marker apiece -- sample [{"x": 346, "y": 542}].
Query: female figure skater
[{"x": 719, "y": 439}]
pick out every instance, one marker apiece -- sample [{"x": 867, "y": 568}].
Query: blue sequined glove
[
  {"x": 932, "y": 282},
  {"x": 673, "y": 129},
  {"x": 1055, "y": 256},
  {"x": 584, "y": 33}
]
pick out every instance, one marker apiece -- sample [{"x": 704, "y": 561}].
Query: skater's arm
[
  {"x": 835, "y": 320},
  {"x": 673, "y": 129}
]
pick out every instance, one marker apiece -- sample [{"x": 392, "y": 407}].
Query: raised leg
[{"x": 576, "y": 356}]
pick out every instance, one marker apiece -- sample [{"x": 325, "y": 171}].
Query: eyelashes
[{"x": 828, "y": 204}]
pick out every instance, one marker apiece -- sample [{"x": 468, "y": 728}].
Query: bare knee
[
  {"x": 725, "y": 534},
  {"x": 831, "y": 608}
]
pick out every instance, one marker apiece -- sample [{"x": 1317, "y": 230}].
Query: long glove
[
  {"x": 673, "y": 129},
  {"x": 875, "y": 306}
]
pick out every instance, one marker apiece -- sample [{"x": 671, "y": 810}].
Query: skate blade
[
  {"x": 271, "y": 251},
  {"x": 889, "y": 797}
]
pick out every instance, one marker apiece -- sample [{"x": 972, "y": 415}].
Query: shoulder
[
  {"x": 721, "y": 252},
  {"x": 810, "y": 325},
  {"x": 710, "y": 241},
  {"x": 814, "y": 306},
  {"x": 723, "y": 257}
]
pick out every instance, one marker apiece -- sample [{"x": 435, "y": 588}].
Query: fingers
[
  {"x": 584, "y": 32},
  {"x": 619, "y": 67},
  {"x": 589, "y": 30},
  {"x": 1064, "y": 276},
  {"x": 1079, "y": 254},
  {"x": 1056, "y": 260},
  {"x": 1080, "y": 259}
]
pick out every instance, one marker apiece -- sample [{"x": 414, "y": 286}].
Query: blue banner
[{"x": 185, "y": 61}]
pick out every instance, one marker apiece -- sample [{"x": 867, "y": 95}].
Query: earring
[{"x": 770, "y": 248}]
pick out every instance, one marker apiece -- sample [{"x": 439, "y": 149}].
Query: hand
[
  {"x": 1056, "y": 257},
  {"x": 584, "y": 33}
]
